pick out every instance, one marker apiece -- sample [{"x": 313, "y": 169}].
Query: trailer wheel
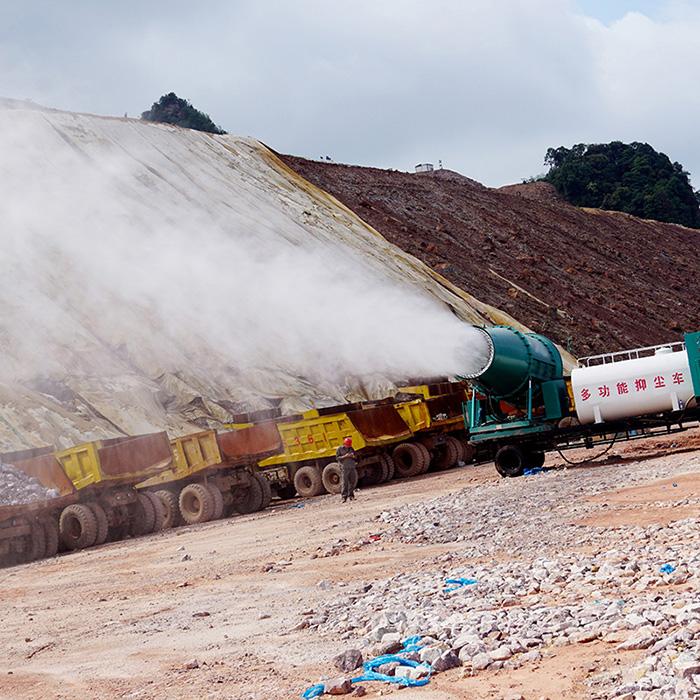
[
  {"x": 78, "y": 526},
  {"x": 36, "y": 546},
  {"x": 308, "y": 482},
  {"x": 51, "y": 534},
  {"x": 172, "y": 509},
  {"x": 218, "y": 509},
  {"x": 286, "y": 492},
  {"x": 331, "y": 477},
  {"x": 158, "y": 511},
  {"x": 390, "y": 468},
  {"x": 250, "y": 499},
  {"x": 510, "y": 461},
  {"x": 266, "y": 489},
  {"x": 372, "y": 475},
  {"x": 384, "y": 469},
  {"x": 469, "y": 452},
  {"x": 448, "y": 454},
  {"x": 426, "y": 457},
  {"x": 535, "y": 459},
  {"x": 102, "y": 523},
  {"x": 196, "y": 504},
  {"x": 410, "y": 459}
]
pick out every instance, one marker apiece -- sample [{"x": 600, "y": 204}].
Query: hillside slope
[
  {"x": 156, "y": 277},
  {"x": 593, "y": 280}
]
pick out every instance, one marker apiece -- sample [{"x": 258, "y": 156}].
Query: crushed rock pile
[
  {"x": 543, "y": 580},
  {"x": 16, "y": 487}
]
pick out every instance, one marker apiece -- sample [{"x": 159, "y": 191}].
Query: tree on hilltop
[
  {"x": 629, "y": 177},
  {"x": 171, "y": 109}
]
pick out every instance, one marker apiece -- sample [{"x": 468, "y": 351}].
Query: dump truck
[
  {"x": 104, "y": 473},
  {"x": 436, "y": 422},
  {"x": 214, "y": 473},
  {"x": 29, "y": 531},
  {"x": 307, "y": 463}
]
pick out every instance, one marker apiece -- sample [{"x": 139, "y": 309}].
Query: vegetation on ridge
[
  {"x": 171, "y": 109},
  {"x": 633, "y": 178}
]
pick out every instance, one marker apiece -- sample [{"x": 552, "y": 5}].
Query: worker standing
[{"x": 347, "y": 458}]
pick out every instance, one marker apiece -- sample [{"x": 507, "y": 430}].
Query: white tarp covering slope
[{"x": 155, "y": 277}]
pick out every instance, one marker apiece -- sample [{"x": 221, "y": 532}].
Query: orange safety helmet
[{"x": 347, "y": 442}]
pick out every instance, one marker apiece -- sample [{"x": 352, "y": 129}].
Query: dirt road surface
[{"x": 218, "y": 611}]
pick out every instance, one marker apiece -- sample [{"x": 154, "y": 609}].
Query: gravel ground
[
  {"x": 544, "y": 578},
  {"x": 17, "y": 487}
]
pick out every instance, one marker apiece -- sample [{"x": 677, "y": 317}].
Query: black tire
[
  {"x": 309, "y": 482},
  {"x": 249, "y": 499},
  {"x": 36, "y": 546},
  {"x": 390, "y": 468},
  {"x": 286, "y": 492},
  {"x": 158, "y": 511},
  {"x": 171, "y": 507},
  {"x": 52, "y": 537},
  {"x": 142, "y": 516},
  {"x": 384, "y": 466},
  {"x": 218, "y": 497},
  {"x": 469, "y": 452},
  {"x": 535, "y": 459},
  {"x": 266, "y": 489},
  {"x": 446, "y": 454},
  {"x": 410, "y": 459},
  {"x": 78, "y": 526},
  {"x": 510, "y": 461},
  {"x": 332, "y": 478},
  {"x": 102, "y": 523},
  {"x": 196, "y": 504},
  {"x": 371, "y": 475},
  {"x": 426, "y": 457}
]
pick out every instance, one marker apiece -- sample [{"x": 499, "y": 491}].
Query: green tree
[
  {"x": 629, "y": 177},
  {"x": 171, "y": 109}
]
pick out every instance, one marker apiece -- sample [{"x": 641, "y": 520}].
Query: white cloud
[{"x": 485, "y": 86}]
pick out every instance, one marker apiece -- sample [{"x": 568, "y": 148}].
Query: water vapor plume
[{"x": 134, "y": 248}]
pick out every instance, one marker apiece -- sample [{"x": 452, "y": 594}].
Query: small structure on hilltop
[{"x": 424, "y": 168}]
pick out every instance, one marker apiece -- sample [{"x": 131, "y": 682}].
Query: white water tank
[{"x": 632, "y": 387}]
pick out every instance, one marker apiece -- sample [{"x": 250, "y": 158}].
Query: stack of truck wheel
[
  {"x": 104, "y": 474},
  {"x": 30, "y": 531},
  {"x": 214, "y": 474}
]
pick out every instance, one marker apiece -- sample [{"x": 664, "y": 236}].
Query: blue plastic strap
[
  {"x": 458, "y": 583},
  {"x": 315, "y": 691}
]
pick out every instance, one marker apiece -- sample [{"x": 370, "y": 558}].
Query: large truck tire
[
  {"x": 50, "y": 526},
  {"x": 250, "y": 499},
  {"x": 372, "y": 475},
  {"x": 534, "y": 459},
  {"x": 389, "y": 464},
  {"x": 448, "y": 454},
  {"x": 143, "y": 516},
  {"x": 331, "y": 477},
  {"x": 102, "y": 523},
  {"x": 36, "y": 546},
  {"x": 469, "y": 452},
  {"x": 266, "y": 490},
  {"x": 286, "y": 492},
  {"x": 426, "y": 457},
  {"x": 158, "y": 510},
  {"x": 218, "y": 511},
  {"x": 78, "y": 526},
  {"x": 171, "y": 507},
  {"x": 308, "y": 482},
  {"x": 410, "y": 459},
  {"x": 196, "y": 504},
  {"x": 510, "y": 461}
]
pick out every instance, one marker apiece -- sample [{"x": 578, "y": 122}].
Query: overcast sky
[{"x": 485, "y": 85}]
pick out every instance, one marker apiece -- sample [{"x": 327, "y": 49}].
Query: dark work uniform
[{"x": 347, "y": 458}]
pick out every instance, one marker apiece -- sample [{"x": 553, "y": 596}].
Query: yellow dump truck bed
[
  {"x": 116, "y": 461},
  {"x": 318, "y": 434}
]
